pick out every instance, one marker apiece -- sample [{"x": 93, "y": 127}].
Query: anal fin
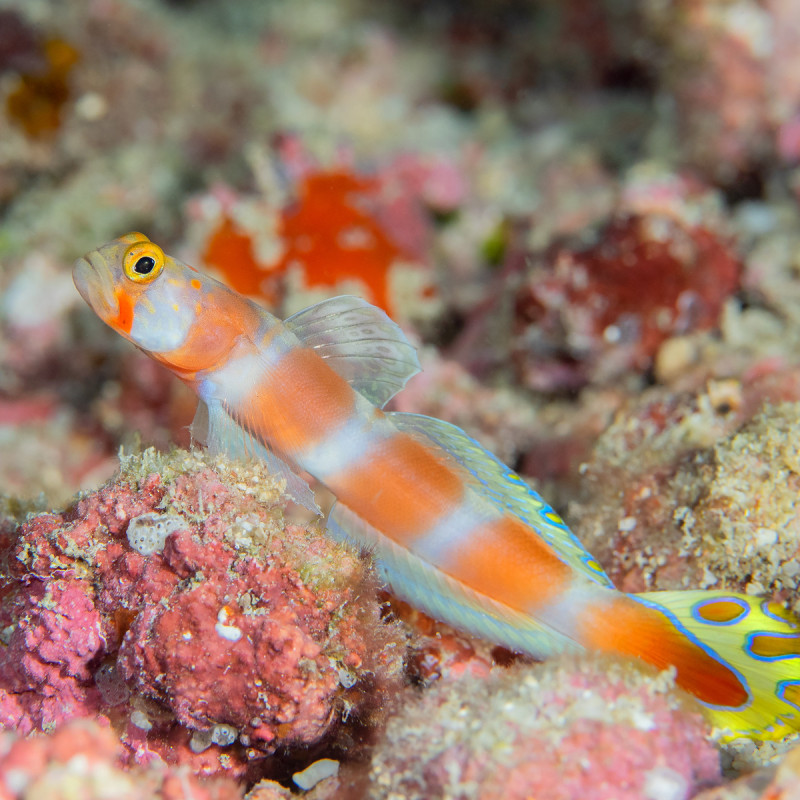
[
  {"x": 220, "y": 433},
  {"x": 437, "y": 594}
]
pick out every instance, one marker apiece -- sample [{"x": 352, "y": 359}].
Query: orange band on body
[
  {"x": 509, "y": 562},
  {"x": 298, "y": 404},
  {"x": 402, "y": 489},
  {"x": 222, "y": 318}
]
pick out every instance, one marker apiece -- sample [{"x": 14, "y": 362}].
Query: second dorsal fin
[
  {"x": 504, "y": 489},
  {"x": 361, "y": 343}
]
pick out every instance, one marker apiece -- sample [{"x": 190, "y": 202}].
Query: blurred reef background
[{"x": 587, "y": 217}]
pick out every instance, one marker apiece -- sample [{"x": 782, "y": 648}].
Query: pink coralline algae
[
  {"x": 590, "y": 314},
  {"x": 581, "y": 729},
  {"x": 731, "y": 69},
  {"x": 217, "y": 634},
  {"x": 80, "y": 760},
  {"x": 47, "y": 664}
]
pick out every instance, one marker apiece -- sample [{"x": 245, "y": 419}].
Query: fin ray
[{"x": 361, "y": 343}]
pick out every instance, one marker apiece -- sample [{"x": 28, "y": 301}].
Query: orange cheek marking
[
  {"x": 509, "y": 562},
  {"x": 402, "y": 490},
  {"x": 625, "y": 626},
  {"x": 196, "y": 283},
  {"x": 124, "y": 319},
  {"x": 300, "y": 404}
]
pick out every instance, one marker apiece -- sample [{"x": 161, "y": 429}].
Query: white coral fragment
[{"x": 147, "y": 534}]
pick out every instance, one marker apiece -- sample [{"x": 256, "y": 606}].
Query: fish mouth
[{"x": 94, "y": 283}]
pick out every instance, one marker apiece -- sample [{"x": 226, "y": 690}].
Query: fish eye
[
  {"x": 145, "y": 265},
  {"x": 143, "y": 262}
]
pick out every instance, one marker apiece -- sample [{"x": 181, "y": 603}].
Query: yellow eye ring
[{"x": 143, "y": 262}]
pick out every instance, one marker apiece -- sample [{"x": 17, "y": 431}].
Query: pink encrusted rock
[
  {"x": 589, "y": 729},
  {"x": 272, "y": 682},
  {"x": 48, "y": 661},
  {"x": 214, "y": 635},
  {"x": 81, "y": 760},
  {"x": 731, "y": 69},
  {"x": 589, "y": 314}
]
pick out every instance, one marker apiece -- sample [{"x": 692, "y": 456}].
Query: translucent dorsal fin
[
  {"x": 361, "y": 343},
  {"x": 498, "y": 484},
  {"x": 445, "y": 598},
  {"x": 214, "y": 428}
]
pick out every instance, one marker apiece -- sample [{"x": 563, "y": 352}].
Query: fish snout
[{"x": 95, "y": 285}]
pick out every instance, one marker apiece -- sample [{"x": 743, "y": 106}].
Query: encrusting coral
[{"x": 80, "y": 760}]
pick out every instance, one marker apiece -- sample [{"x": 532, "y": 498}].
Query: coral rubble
[{"x": 554, "y": 732}]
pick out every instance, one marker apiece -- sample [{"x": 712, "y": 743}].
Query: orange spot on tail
[
  {"x": 774, "y": 609},
  {"x": 791, "y": 694},
  {"x": 721, "y": 611},
  {"x": 765, "y": 645}
]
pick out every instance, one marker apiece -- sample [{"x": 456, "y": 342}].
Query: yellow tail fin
[{"x": 758, "y": 640}]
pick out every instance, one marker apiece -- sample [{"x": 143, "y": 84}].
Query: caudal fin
[{"x": 751, "y": 684}]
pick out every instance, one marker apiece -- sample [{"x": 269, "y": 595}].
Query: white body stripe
[
  {"x": 234, "y": 382},
  {"x": 566, "y": 609},
  {"x": 350, "y": 443},
  {"x": 455, "y": 528}
]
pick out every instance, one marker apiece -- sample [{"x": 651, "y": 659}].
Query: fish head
[{"x": 141, "y": 292}]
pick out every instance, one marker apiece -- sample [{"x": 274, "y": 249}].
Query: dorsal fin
[
  {"x": 361, "y": 343},
  {"x": 507, "y": 491}
]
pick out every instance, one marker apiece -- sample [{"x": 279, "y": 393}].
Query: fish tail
[{"x": 738, "y": 655}]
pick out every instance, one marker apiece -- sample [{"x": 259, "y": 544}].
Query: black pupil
[{"x": 144, "y": 266}]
